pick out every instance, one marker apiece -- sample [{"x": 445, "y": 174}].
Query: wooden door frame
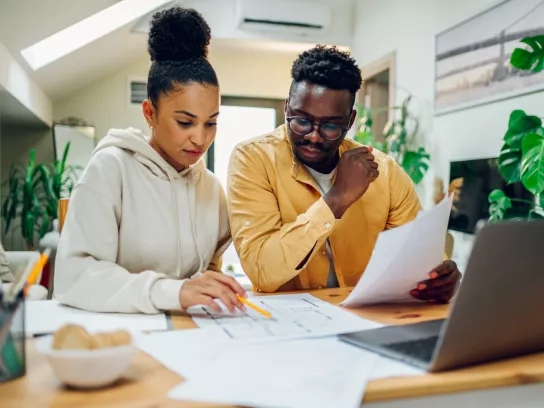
[{"x": 386, "y": 62}]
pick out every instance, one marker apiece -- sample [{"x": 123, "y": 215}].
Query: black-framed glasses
[{"x": 327, "y": 130}]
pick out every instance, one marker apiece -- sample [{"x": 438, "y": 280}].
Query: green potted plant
[
  {"x": 521, "y": 158},
  {"x": 32, "y": 198},
  {"x": 63, "y": 178},
  {"x": 400, "y": 139},
  {"x": 29, "y": 200}
]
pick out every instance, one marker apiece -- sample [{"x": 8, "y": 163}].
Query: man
[{"x": 306, "y": 204}]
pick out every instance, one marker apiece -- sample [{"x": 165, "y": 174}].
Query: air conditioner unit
[{"x": 295, "y": 18}]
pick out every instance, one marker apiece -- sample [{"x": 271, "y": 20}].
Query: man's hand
[
  {"x": 210, "y": 285},
  {"x": 441, "y": 285},
  {"x": 356, "y": 170}
]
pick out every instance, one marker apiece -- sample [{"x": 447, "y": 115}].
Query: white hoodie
[{"x": 136, "y": 228}]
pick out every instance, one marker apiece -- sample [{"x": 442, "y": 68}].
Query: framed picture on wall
[{"x": 472, "y": 59}]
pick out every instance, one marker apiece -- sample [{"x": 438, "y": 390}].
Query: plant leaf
[
  {"x": 416, "y": 164},
  {"x": 520, "y": 125},
  {"x": 532, "y": 59},
  {"x": 532, "y": 163},
  {"x": 509, "y": 163},
  {"x": 499, "y": 203},
  {"x": 535, "y": 214}
]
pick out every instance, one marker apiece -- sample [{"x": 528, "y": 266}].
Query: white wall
[
  {"x": 408, "y": 27},
  {"x": 222, "y": 16},
  {"x": 105, "y": 103}
]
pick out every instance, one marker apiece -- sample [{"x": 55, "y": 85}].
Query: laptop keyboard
[{"x": 421, "y": 349}]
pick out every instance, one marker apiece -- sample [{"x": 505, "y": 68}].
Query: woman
[{"x": 146, "y": 215}]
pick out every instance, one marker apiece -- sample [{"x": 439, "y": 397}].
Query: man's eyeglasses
[{"x": 328, "y": 131}]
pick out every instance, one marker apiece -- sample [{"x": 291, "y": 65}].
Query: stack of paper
[
  {"x": 303, "y": 373},
  {"x": 403, "y": 257},
  {"x": 292, "y": 360}
]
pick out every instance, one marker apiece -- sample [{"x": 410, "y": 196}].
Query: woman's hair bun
[{"x": 178, "y": 34}]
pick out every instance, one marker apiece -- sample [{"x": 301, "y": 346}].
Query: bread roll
[
  {"x": 72, "y": 337},
  {"x": 75, "y": 337}
]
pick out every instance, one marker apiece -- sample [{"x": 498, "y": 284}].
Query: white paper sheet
[
  {"x": 192, "y": 353},
  {"x": 293, "y": 316},
  {"x": 46, "y": 316},
  {"x": 188, "y": 353},
  {"x": 303, "y": 373},
  {"x": 403, "y": 257}
]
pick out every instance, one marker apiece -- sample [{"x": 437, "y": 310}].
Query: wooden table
[{"x": 148, "y": 382}]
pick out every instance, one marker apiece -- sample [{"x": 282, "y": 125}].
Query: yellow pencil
[
  {"x": 254, "y": 307},
  {"x": 37, "y": 269}
]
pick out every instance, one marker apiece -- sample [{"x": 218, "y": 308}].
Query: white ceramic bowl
[{"x": 87, "y": 368}]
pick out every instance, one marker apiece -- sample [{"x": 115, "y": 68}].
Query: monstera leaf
[
  {"x": 416, "y": 163},
  {"x": 509, "y": 163},
  {"x": 532, "y": 163},
  {"x": 520, "y": 125},
  {"x": 532, "y": 59},
  {"x": 499, "y": 204},
  {"x": 536, "y": 214}
]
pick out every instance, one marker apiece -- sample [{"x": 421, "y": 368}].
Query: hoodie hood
[{"x": 135, "y": 141}]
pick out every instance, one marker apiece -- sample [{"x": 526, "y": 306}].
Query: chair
[
  {"x": 51, "y": 241},
  {"x": 63, "y": 210}
]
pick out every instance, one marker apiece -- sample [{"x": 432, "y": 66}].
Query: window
[
  {"x": 240, "y": 119},
  {"x": 137, "y": 92}
]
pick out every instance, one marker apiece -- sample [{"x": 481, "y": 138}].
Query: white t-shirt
[{"x": 324, "y": 182}]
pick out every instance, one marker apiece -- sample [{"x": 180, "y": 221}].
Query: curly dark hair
[
  {"x": 328, "y": 67},
  {"x": 178, "y": 46}
]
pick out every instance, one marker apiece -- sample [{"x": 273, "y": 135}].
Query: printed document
[
  {"x": 302, "y": 373},
  {"x": 293, "y": 316},
  {"x": 403, "y": 257}
]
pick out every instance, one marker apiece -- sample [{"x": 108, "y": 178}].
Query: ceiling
[
  {"x": 14, "y": 113},
  {"x": 24, "y": 22}
]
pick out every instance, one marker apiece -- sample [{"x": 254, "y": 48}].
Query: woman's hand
[{"x": 210, "y": 285}]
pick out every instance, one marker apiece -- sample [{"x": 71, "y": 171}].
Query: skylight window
[{"x": 88, "y": 30}]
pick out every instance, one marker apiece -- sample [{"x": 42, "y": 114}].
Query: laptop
[{"x": 495, "y": 314}]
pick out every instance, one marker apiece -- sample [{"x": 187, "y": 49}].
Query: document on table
[
  {"x": 301, "y": 373},
  {"x": 201, "y": 348},
  {"x": 403, "y": 257},
  {"x": 46, "y": 316},
  {"x": 293, "y": 316},
  {"x": 187, "y": 353}
]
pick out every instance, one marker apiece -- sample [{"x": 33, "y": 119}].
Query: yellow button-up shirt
[{"x": 278, "y": 216}]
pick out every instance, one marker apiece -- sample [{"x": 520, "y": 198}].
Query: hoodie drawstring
[
  {"x": 176, "y": 215},
  {"x": 192, "y": 222}
]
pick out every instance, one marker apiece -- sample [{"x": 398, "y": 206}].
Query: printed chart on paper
[{"x": 293, "y": 316}]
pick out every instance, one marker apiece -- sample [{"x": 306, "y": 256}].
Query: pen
[{"x": 254, "y": 307}]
